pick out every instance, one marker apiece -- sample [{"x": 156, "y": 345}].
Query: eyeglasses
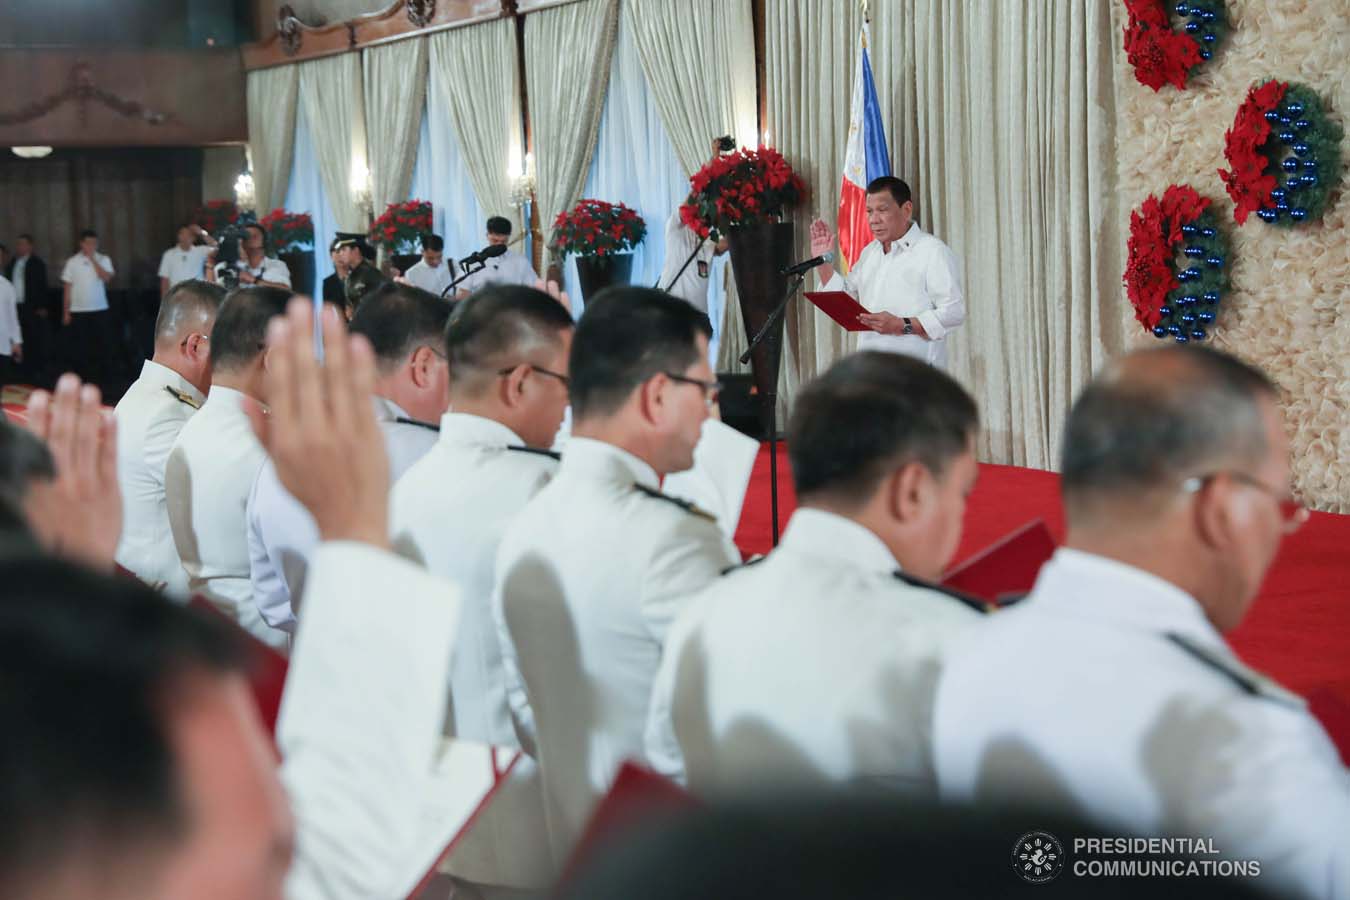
[
  {"x": 711, "y": 389},
  {"x": 566, "y": 382},
  {"x": 1292, "y": 513}
]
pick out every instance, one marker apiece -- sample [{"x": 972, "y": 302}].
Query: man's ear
[
  {"x": 652, "y": 398},
  {"x": 906, "y": 489},
  {"x": 1214, "y": 509}
]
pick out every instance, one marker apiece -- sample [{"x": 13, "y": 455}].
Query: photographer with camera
[
  {"x": 689, "y": 257},
  {"x": 244, "y": 260}
]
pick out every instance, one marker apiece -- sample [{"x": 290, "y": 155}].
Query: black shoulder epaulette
[
  {"x": 182, "y": 396},
  {"x": 521, "y": 448},
  {"x": 404, "y": 420},
  {"x": 974, "y": 603},
  {"x": 759, "y": 558},
  {"x": 1250, "y": 680},
  {"x": 682, "y": 504}
]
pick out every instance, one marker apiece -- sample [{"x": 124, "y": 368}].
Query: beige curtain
[
  {"x": 475, "y": 73},
  {"x": 699, "y": 58},
  {"x": 395, "y": 81},
  {"x": 1001, "y": 118},
  {"x": 567, "y": 56},
  {"x": 331, "y": 91},
  {"x": 271, "y": 132}
]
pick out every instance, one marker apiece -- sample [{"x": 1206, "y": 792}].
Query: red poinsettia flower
[{"x": 1247, "y": 179}]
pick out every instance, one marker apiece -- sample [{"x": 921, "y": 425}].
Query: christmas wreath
[
  {"x": 1161, "y": 55},
  {"x": 1170, "y": 301},
  {"x": 1284, "y": 155}
]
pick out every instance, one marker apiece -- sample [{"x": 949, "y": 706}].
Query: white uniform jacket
[
  {"x": 149, "y": 416},
  {"x": 589, "y": 578},
  {"x": 1108, "y": 695},
  {"x": 815, "y": 665}
]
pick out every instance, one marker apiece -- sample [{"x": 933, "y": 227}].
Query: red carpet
[{"x": 1298, "y": 631}]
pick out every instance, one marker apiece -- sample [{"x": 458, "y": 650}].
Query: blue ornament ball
[
  {"x": 1191, "y": 299},
  {"x": 1278, "y": 194},
  {"x": 1310, "y": 165},
  {"x": 1302, "y": 125},
  {"x": 1298, "y": 214},
  {"x": 1174, "y": 329},
  {"x": 1194, "y": 252},
  {"x": 1192, "y": 27},
  {"x": 1208, "y": 232},
  {"x": 1206, "y": 53},
  {"x": 1209, "y": 37},
  {"x": 1206, "y": 315},
  {"x": 1288, "y": 137},
  {"x": 1198, "y": 334},
  {"x": 1214, "y": 262},
  {"x": 1290, "y": 164},
  {"x": 1181, "y": 338},
  {"x": 1282, "y": 205},
  {"x": 1208, "y": 15},
  {"x": 1268, "y": 214},
  {"x": 1165, "y": 311},
  {"x": 1272, "y": 116},
  {"x": 1190, "y": 228},
  {"x": 1211, "y": 296},
  {"x": 1310, "y": 180},
  {"x": 1302, "y": 149},
  {"x": 1183, "y": 9},
  {"x": 1160, "y": 331},
  {"x": 1188, "y": 318},
  {"x": 1293, "y": 108}
]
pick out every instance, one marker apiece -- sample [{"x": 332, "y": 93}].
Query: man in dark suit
[
  {"x": 28, "y": 273},
  {"x": 332, "y": 285}
]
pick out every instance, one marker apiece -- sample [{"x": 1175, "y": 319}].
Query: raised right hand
[{"x": 822, "y": 238}]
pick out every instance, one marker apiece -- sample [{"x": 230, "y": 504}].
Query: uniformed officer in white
[
  {"x": 185, "y": 260},
  {"x": 254, "y": 265},
  {"x": 596, "y": 567},
  {"x": 405, "y": 326},
  {"x": 845, "y": 625},
  {"x": 216, "y": 458},
  {"x": 509, "y": 268},
  {"x": 171, "y": 388},
  {"x": 507, "y": 348},
  {"x": 1110, "y": 691},
  {"x": 433, "y": 272},
  {"x": 908, "y": 279}
]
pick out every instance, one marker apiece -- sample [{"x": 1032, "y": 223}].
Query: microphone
[
  {"x": 489, "y": 252},
  {"x": 799, "y": 268}
]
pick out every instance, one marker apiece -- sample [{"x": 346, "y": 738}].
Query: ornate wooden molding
[
  {"x": 81, "y": 90},
  {"x": 295, "y": 41}
]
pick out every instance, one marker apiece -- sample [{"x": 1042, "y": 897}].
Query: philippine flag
[{"x": 865, "y": 159}]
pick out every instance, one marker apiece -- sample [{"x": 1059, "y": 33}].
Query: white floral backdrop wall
[{"x": 1289, "y": 307}]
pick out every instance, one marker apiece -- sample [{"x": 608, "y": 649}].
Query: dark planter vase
[
  {"x": 758, "y": 254},
  {"x": 405, "y": 261},
  {"x": 599, "y": 272},
  {"x": 301, "y": 264}
]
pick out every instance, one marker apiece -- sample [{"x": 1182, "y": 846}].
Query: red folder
[
  {"x": 1006, "y": 568},
  {"x": 841, "y": 307},
  {"x": 267, "y": 675}
]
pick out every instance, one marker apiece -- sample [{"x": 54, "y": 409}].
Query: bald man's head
[
  {"x": 1154, "y": 418},
  {"x": 189, "y": 307}
]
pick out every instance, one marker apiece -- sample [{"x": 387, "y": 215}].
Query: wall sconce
[
  {"x": 360, "y": 187},
  {"x": 244, "y": 197},
  {"x": 522, "y": 181}
]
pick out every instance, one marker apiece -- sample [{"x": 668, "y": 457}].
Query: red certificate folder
[
  {"x": 841, "y": 307},
  {"x": 1008, "y": 567}
]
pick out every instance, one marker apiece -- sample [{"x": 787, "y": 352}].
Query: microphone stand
[
  {"x": 770, "y": 328},
  {"x": 692, "y": 257},
  {"x": 464, "y": 266}
]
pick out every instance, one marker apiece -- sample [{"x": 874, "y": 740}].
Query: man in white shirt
[
  {"x": 1110, "y": 692},
  {"x": 90, "y": 343},
  {"x": 184, "y": 260},
  {"x": 11, "y": 335},
  {"x": 507, "y": 348},
  {"x": 688, "y": 263},
  {"x": 595, "y": 568},
  {"x": 433, "y": 273},
  {"x": 509, "y": 268},
  {"x": 908, "y": 279},
  {"x": 405, "y": 327},
  {"x": 171, "y": 388},
  {"x": 254, "y": 265},
  {"x": 818, "y": 664},
  {"x": 216, "y": 458}
]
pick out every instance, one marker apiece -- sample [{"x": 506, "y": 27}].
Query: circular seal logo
[{"x": 1038, "y": 857}]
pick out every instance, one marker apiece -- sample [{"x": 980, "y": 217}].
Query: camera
[
  {"x": 726, "y": 143},
  {"x": 228, "y": 242}
]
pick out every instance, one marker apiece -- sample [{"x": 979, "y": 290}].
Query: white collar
[
  {"x": 387, "y": 410},
  {"x": 225, "y": 397},
  {"x": 1088, "y": 586},
  {"x": 467, "y": 430},
  {"x": 596, "y": 459},
  {"x": 159, "y": 375},
  {"x": 835, "y": 538},
  {"x": 905, "y": 241}
]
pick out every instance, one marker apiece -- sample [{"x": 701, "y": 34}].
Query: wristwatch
[{"x": 909, "y": 326}]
